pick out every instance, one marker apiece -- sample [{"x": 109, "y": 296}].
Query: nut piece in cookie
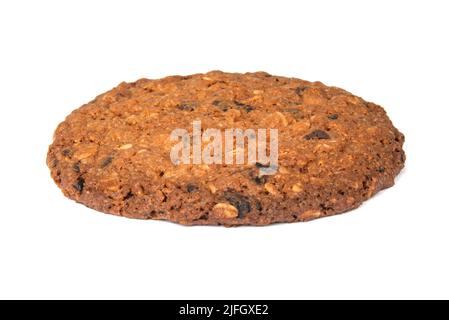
[{"x": 225, "y": 211}]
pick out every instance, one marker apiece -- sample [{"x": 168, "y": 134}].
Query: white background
[{"x": 57, "y": 55}]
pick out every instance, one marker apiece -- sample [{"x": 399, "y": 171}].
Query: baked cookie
[{"x": 334, "y": 150}]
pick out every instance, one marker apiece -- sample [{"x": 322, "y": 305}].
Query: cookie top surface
[{"x": 335, "y": 150}]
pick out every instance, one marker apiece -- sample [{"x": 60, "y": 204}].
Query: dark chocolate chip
[
  {"x": 365, "y": 182},
  {"x": 317, "y": 134},
  {"x": 128, "y": 196},
  {"x": 254, "y": 176},
  {"x": 187, "y": 106},
  {"x": 381, "y": 169},
  {"x": 260, "y": 180},
  {"x": 333, "y": 116},
  {"x": 239, "y": 201},
  {"x": 151, "y": 214},
  {"x": 192, "y": 188},
  {"x": 261, "y": 165},
  {"x": 222, "y": 105},
  {"x": 76, "y": 167},
  {"x": 244, "y": 106},
  {"x": 300, "y": 90},
  {"x": 303, "y": 170},
  {"x": 67, "y": 153},
  {"x": 258, "y": 205},
  {"x": 79, "y": 184},
  {"x": 106, "y": 161},
  {"x": 227, "y": 105}
]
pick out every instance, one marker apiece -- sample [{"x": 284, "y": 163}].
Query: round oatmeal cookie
[{"x": 117, "y": 154}]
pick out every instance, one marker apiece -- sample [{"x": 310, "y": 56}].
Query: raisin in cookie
[{"x": 335, "y": 150}]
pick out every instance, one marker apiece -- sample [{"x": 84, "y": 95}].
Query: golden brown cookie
[{"x": 335, "y": 150}]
